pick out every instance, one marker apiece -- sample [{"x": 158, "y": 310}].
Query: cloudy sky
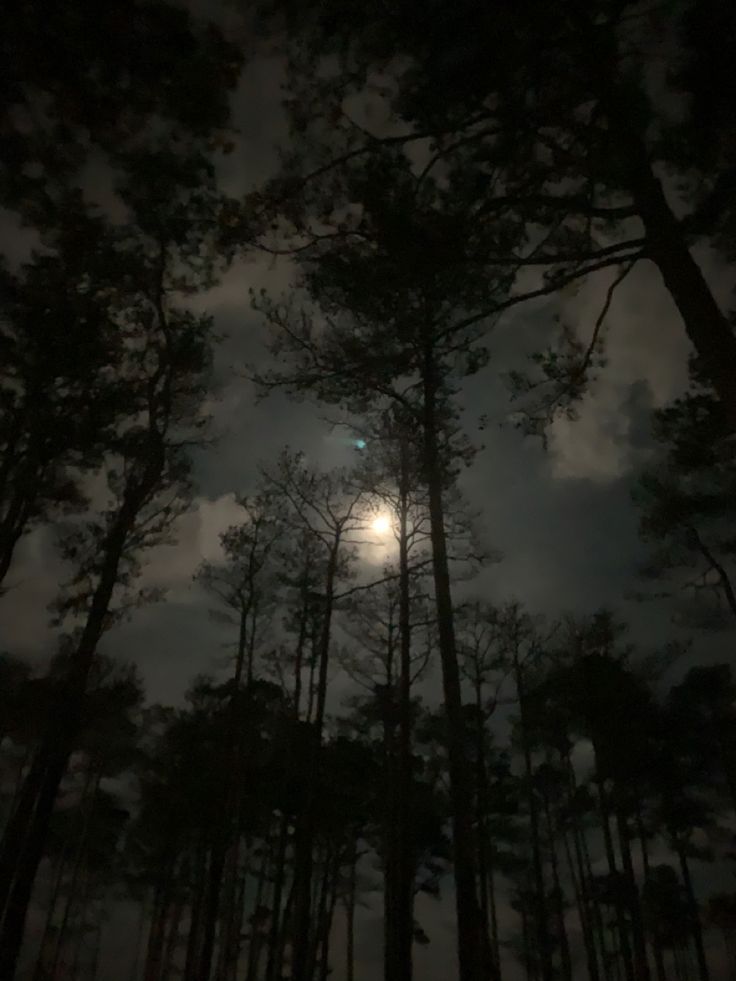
[{"x": 562, "y": 518}]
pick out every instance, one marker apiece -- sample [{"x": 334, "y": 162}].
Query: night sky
[{"x": 561, "y": 517}]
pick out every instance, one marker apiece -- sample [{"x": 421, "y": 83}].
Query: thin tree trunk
[
  {"x": 565, "y": 961},
  {"x": 540, "y": 901},
  {"x": 637, "y": 925},
  {"x": 391, "y": 833},
  {"x": 140, "y": 933},
  {"x": 654, "y": 940},
  {"x": 42, "y": 968},
  {"x": 624, "y": 944},
  {"x": 301, "y": 641},
  {"x": 472, "y": 941},
  {"x": 81, "y": 926},
  {"x": 255, "y": 944},
  {"x": 173, "y": 937},
  {"x": 525, "y": 944},
  {"x": 350, "y": 918},
  {"x": 304, "y": 832},
  {"x": 97, "y": 949},
  {"x": 287, "y": 928},
  {"x": 229, "y": 930},
  {"x": 485, "y": 885},
  {"x": 93, "y": 781},
  {"x": 211, "y": 904},
  {"x": 403, "y": 912},
  {"x": 694, "y": 913},
  {"x": 320, "y": 911},
  {"x": 493, "y": 911},
  {"x": 324, "y": 958},
  {"x": 226, "y": 834},
  {"x": 154, "y": 952},
  {"x": 198, "y": 897},
  {"x": 597, "y": 921},
  {"x": 581, "y": 902},
  {"x": 237, "y": 945},
  {"x": 272, "y": 962},
  {"x": 310, "y": 682}
]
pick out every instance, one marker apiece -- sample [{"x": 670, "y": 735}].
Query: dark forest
[{"x": 368, "y": 490}]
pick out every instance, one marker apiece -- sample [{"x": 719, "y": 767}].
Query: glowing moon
[{"x": 381, "y": 524}]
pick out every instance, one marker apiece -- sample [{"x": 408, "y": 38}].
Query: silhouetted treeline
[{"x": 598, "y": 834}]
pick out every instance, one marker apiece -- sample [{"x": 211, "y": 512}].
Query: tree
[
  {"x": 686, "y": 503},
  {"x": 405, "y": 319},
  {"x": 85, "y": 835},
  {"x": 163, "y": 356},
  {"x": 546, "y": 114},
  {"x": 59, "y": 402},
  {"x": 242, "y": 584},
  {"x": 121, "y": 69},
  {"x": 333, "y": 513},
  {"x": 160, "y": 92},
  {"x": 702, "y": 707},
  {"x": 390, "y": 472}
]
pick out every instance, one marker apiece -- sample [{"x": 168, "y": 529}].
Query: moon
[{"x": 381, "y": 524}]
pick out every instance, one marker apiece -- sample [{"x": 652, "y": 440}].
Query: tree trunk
[
  {"x": 483, "y": 845},
  {"x": 226, "y": 835},
  {"x": 472, "y": 941},
  {"x": 320, "y": 904},
  {"x": 12, "y": 527},
  {"x": 403, "y": 912},
  {"x": 24, "y": 840},
  {"x": 91, "y": 787},
  {"x": 581, "y": 902},
  {"x": 637, "y": 924},
  {"x": 324, "y": 957},
  {"x": 286, "y": 929},
  {"x": 173, "y": 936},
  {"x": 694, "y": 913},
  {"x": 623, "y": 932},
  {"x": 705, "y": 323},
  {"x": 564, "y": 942},
  {"x": 350, "y": 919},
  {"x": 526, "y": 948},
  {"x": 586, "y": 877},
  {"x": 391, "y": 833},
  {"x": 231, "y": 916},
  {"x": 540, "y": 901},
  {"x": 87, "y": 890},
  {"x": 198, "y": 897},
  {"x": 493, "y": 912},
  {"x": 134, "y": 973},
  {"x": 304, "y": 831},
  {"x": 301, "y": 640},
  {"x": 272, "y": 961},
  {"x": 237, "y": 941},
  {"x": 29, "y": 858},
  {"x": 654, "y": 939},
  {"x": 256, "y": 940},
  {"x": 42, "y": 969},
  {"x": 97, "y": 949},
  {"x": 211, "y": 905}
]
